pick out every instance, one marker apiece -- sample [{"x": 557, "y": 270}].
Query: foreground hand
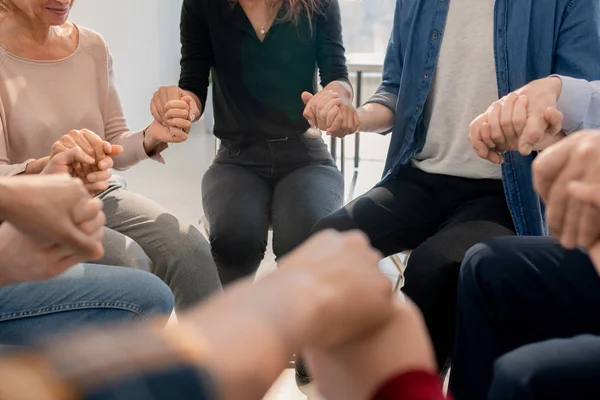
[
  {"x": 523, "y": 121},
  {"x": 352, "y": 297},
  {"x": 52, "y": 209},
  {"x": 26, "y": 259},
  {"x": 330, "y": 112},
  {"x": 574, "y": 159},
  {"x": 589, "y": 194},
  {"x": 354, "y": 370}
]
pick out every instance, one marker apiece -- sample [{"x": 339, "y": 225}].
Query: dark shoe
[{"x": 302, "y": 376}]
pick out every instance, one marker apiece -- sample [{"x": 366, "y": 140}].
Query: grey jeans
[
  {"x": 142, "y": 234},
  {"x": 290, "y": 183}
]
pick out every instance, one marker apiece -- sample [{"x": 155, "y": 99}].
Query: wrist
[
  {"x": 555, "y": 86},
  {"x": 150, "y": 143},
  {"x": 36, "y": 166}
]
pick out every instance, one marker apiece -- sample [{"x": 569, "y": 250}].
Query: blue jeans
[{"x": 84, "y": 295}]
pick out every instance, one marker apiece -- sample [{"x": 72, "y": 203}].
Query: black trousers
[
  {"x": 528, "y": 320},
  {"x": 288, "y": 183},
  {"x": 439, "y": 217}
]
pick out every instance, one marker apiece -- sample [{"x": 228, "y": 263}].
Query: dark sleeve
[
  {"x": 415, "y": 385},
  {"x": 331, "y": 58},
  {"x": 196, "y": 49}
]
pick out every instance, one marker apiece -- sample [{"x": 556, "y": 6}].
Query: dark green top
[{"x": 257, "y": 85}]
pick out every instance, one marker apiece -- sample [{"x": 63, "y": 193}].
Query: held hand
[
  {"x": 574, "y": 159},
  {"x": 589, "y": 194},
  {"x": 400, "y": 345},
  {"x": 525, "y": 120},
  {"x": 89, "y": 142},
  {"x": 160, "y": 99},
  {"x": 53, "y": 209},
  {"x": 27, "y": 259},
  {"x": 342, "y": 273},
  {"x": 330, "y": 112}
]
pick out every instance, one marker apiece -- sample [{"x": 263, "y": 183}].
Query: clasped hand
[{"x": 330, "y": 112}]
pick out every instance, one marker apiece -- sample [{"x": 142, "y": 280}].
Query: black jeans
[
  {"x": 528, "y": 323},
  {"x": 290, "y": 183},
  {"x": 438, "y": 216}
]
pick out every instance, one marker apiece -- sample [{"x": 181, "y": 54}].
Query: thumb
[
  {"x": 306, "y": 97},
  {"x": 115, "y": 150},
  {"x": 534, "y": 130},
  {"x": 555, "y": 119},
  {"x": 193, "y": 107},
  {"x": 586, "y": 192}
]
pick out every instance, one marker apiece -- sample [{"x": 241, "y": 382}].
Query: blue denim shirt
[{"x": 532, "y": 39}]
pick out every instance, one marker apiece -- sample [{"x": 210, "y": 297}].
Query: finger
[
  {"x": 534, "y": 130},
  {"x": 116, "y": 150},
  {"x": 337, "y": 124},
  {"x": 588, "y": 230},
  {"x": 475, "y": 136},
  {"x": 348, "y": 121},
  {"x": 570, "y": 226},
  {"x": 495, "y": 129},
  {"x": 309, "y": 115},
  {"x": 486, "y": 134},
  {"x": 306, "y": 97},
  {"x": 178, "y": 135},
  {"x": 92, "y": 226},
  {"x": 547, "y": 166},
  {"x": 588, "y": 193},
  {"x": 324, "y": 112},
  {"x": 331, "y": 116},
  {"x": 78, "y": 170},
  {"x": 356, "y": 122},
  {"x": 86, "y": 209},
  {"x": 177, "y": 113},
  {"x": 106, "y": 164},
  {"x": 520, "y": 114},
  {"x": 506, "y": 121},
  {"x": 495, "y": 157},
  {"x": 554, "y": 119},
  {"x": 178, "y": 104},
  {"x": 97, "y": 144},
  {"x": 180, "y": 123},
  {"x": 75, "y": 154},
  {"x": 99, "y": 176}
]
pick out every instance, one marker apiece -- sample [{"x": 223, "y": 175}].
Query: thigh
[
  {"x": 236, "y": 202},
  {"x": 122, "y": 251},
  {"x": 300, "y": 200},
  {"x": 554, "y": 369},
  {"x": 85, "y": 294},
  {"x": 397, "y": 215}
]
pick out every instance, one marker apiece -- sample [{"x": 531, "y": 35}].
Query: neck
[{"x": 20, "y": 27}]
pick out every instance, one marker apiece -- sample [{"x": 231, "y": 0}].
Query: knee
[
  {"x": 238, "y": 249},
  {"x": 130, "y": 254},
  {"x": 149, "y": 294},
  {"x": 181, "y": 242},
  {"x": 339, "y": 221},
  {"x": 514, "y": 375},
  {"x": 430, "y": 265}
]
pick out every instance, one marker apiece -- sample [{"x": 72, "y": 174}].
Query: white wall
[{"x": 143, "y": 36}]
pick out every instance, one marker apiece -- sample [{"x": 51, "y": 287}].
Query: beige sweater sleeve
[
  {"x": 116, "y": 130},
  {"x": 6, "y": 168}
]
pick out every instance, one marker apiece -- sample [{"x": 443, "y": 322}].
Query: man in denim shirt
[{"x": 446, "y": 59}]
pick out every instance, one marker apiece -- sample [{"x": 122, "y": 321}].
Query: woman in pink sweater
[{"x": 57, "y": 91}]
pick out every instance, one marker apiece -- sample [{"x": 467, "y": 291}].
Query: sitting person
[
  {"x": 359, "y": 340},
  {"x": 445, "y": 63},
  {"x": 527, "y": 324},
  {"x": 51, "y": 224},
  {"x": 57, "y": 77},
  {"x": 271, "y": 168}
]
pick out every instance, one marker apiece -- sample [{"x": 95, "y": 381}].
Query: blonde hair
[{"x": 4, "y": 6}]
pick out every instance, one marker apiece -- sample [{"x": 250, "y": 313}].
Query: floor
[{"x": 177, "y": 186}]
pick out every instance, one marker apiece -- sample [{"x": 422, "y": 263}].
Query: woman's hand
[
  {"x": 166, "y": 94},
  {"x": 94, "y": 174},
  {"x": 331, "y": 112},
  {"x": 177, "y": 119}
]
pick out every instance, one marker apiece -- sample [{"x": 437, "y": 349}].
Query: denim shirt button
[{"x": 435, "y": 35}]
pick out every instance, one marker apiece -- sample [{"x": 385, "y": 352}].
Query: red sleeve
[{"x": 414, "y": 385}]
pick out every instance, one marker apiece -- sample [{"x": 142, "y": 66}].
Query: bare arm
[{"x": 375, "y": 117}]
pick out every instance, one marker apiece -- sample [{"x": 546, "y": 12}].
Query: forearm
[
  {"x": 375, "y": 117},
  {"x": 37, "y": 166},
  {"x": 248, "y": 352}
]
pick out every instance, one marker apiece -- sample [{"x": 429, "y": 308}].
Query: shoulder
[{"x": 92, "y": 43}]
